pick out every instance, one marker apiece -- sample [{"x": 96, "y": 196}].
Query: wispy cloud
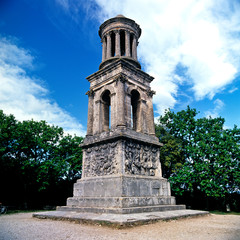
[
  {"x": 64, "y": 4},
  {"x": 218, "y": 107},
  {"x": 201, "y": 36},
  {"x": 25, "y": 96},
  {"x": 233, "y": 90}
]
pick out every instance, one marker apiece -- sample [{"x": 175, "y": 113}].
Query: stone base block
[
  {"x": 122, "y": 186},
  {"x": 124, "y": 202}
]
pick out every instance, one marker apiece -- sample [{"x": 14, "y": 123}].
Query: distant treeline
[{"x": 201, "y": 159}]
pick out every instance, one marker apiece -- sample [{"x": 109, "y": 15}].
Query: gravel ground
[{"x": 23, "y": 227}]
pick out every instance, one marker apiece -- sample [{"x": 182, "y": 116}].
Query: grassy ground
[{"x": 224, "y": 213}]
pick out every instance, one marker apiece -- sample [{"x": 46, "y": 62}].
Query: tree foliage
[
  {"x": 205, "y": 155},
  {"x": 171, "y": 152},
  {"x": 36, "y": 157}
]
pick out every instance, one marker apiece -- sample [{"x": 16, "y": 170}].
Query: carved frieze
[
  {"x": 141, "y": 159},
  {"x": 100, "y": 160}
]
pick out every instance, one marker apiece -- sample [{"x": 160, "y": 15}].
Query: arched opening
[
  {"x": 135, "y": 105},
  {"x": 122, "y": 43},
  {"x": 106, "y": 110},
  {"x": 113, "y": 40}
]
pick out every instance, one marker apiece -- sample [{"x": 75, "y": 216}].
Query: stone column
[
  {"x": 127, "y": 43},
  {"x": 114, "y": 113},
  {"x": 90, "y": 112},
  {"x": 145, "y": 116},
  {"x": 117, "y": 44},
  {"x": 97, "y": 126},
  {"x": 103, "y": 49},
  {"x": 139, "y": 119},
  {"x": 150, "y": 122},
  {"x": 128, "y": 110},
  {"x": 121, "y": 102},
  {"x": 134, "y": 48},
  {"x": 109, "y": 45},
  {"x": 151, "y": 125}
]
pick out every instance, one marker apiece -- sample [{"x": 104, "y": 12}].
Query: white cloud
[
  {"x": 202, "y": 36},
  {"x": 219, "y": 105},
  {"x": 25, "y": 97}
]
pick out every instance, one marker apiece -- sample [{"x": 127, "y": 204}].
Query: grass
[{"x": 224, "y": 213}]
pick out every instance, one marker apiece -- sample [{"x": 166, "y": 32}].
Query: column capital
[
  {"x": 150, "y": 92},
  {"x": 90, "y": 93},
  {"x": 116, "y": 31},
  {"x": 121, "y": 79}
]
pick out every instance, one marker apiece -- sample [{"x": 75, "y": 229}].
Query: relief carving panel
[
  {"x": 141, "y": 159},
  {"x": 100, "y": 160}
]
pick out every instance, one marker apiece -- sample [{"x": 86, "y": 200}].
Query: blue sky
[{"x": 48, "y": 48}]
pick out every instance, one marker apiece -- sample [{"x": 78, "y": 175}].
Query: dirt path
[{"x": 214, "y": 227}]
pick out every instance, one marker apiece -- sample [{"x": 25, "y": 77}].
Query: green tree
[
  {"x": 36, "y": 157},
  {"x": 8, "y": 125},
  {"x": 171, "y": 152},
  {"x": 211, "y": 153}
]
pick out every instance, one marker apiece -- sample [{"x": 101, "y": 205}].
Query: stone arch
[
  {"x": 109, "y": 88},
  {"x": 105, "y": 99},
  {"x": 131, "y": 88}
]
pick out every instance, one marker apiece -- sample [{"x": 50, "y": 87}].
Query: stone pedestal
[
  {"x": 121, "y": 194},
  {"x": 121, "y": 174}
]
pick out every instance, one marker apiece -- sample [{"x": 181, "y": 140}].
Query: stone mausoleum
[
  {"x": 121, "y": 163},
  {"x": 121, "y": 177}
]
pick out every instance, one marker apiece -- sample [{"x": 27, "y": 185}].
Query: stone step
[
  {"x": 158, "y": 208},
  {"x": 118, "y": 220}
]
